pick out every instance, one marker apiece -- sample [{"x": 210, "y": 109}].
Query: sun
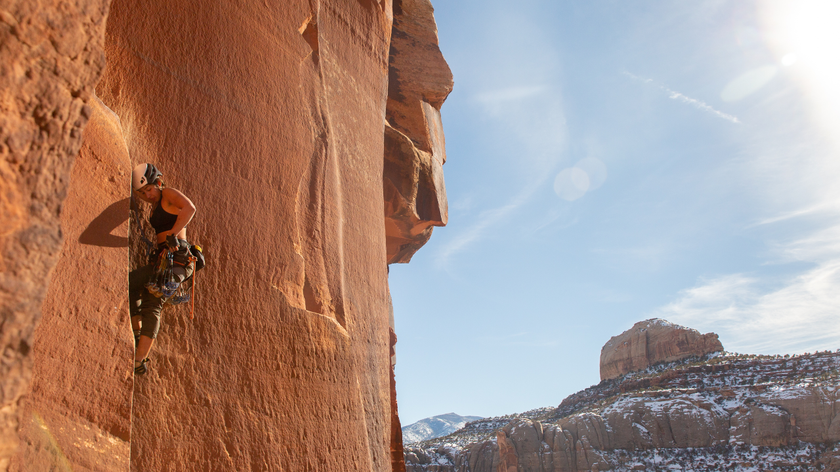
[{"x": 806, "y": 37}]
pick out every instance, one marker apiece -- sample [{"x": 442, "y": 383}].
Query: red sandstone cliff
[
  {"x": 50, "y": 59},
  {"x": 78, "y": 408},
  {"x": 278, "y": 120}
]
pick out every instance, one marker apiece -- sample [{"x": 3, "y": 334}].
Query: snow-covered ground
[{"x": 705, "y": 391}]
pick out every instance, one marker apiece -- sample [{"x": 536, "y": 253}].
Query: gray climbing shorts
[{"x": 147, "y": 306}]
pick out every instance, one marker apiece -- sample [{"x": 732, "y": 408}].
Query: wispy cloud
[
  {"x": 531, "y": 115},
  {"x": 674, "y": 95},
  {"x": 812, "y": 210},
  {"x": 531, "y": 119},
  {"x": 486, "y": 220},
  {"x": 794, "y": 307},
  {"x": 494, "y": 98},
  {"x": 798, "y": 313},
  {"x": 514, "y": 92},
  {"x": 801, "y": 316}
]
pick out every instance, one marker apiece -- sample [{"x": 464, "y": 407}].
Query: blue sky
[{"x": 610, "y": 162}]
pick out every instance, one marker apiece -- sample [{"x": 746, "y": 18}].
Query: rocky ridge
[{"x": 720, "y": 411}]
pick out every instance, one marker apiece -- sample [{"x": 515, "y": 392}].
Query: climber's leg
[
  {"x": 149, "y": 316},
  {"x": 137, "y": 287}
]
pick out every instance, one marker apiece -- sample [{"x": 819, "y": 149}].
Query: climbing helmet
[{"x": 144, "y": 174}]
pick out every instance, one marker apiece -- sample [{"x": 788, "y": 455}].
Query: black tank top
[{"x": 161, "y": 220}]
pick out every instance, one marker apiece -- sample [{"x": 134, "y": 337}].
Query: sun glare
[{"x": 806, "y": 37}]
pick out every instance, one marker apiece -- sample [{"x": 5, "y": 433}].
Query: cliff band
[{"x": 688, "y": 406}]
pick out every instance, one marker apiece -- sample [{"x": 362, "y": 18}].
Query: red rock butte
[
  {"x": 308, "y": 135},
  {"x": 650, "y": 342}
]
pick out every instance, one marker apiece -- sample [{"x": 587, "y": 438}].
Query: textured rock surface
[
  {"x": 78, "y": 410},
  {"x": 50, "y": 59},
  {"x": 650, "y": 342},
  {"x": 419, "y": 80},
  {"x": 270, "y": 116},
  {"x": 721, "y": 412}
]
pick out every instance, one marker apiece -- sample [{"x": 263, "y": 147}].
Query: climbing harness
[
  {"x": 163, "y": 284},
  {"x": 182, "y": 296}
]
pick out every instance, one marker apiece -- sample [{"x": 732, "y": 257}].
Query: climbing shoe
[{"x": 140, "y": 366}]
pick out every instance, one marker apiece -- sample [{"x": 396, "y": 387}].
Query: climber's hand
[{"x": 172, "y": 242}]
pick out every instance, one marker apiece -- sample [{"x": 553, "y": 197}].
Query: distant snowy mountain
[{"x": 435, "y": 427}]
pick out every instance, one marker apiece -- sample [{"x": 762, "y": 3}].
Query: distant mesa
[
  {"x": 669, "y": 401},
  {"x": 435, "y": 427},
  {"x": 650, "y": 342}
]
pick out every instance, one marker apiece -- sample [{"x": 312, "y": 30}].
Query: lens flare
[
  {"x": 571, "y": 183},
  {"x": 789, "y": 59},
  {"x": 748, "y": 83},
  {"x": 595, "y": 170}
]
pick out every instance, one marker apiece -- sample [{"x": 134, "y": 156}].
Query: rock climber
[{"x": 170, "y": 216}]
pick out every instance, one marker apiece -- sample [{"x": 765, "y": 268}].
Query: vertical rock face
[
  {"x": 270, "y": 116},
  {"x": 650, "y": 342},
  {"x": 419, "y": 80},
  {"x": 78, "y": 410},
  {"x": 50, "y": 59}
]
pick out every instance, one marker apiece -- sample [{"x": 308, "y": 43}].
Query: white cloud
[
  {"x": 509, "y": 94},
  {"x": 804, "y": 315},
  {"x": 801, "y": 313},
  {"x": 674, "y": 95}
]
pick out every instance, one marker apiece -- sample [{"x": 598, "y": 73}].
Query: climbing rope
[{"x": 192, "y": 290}]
